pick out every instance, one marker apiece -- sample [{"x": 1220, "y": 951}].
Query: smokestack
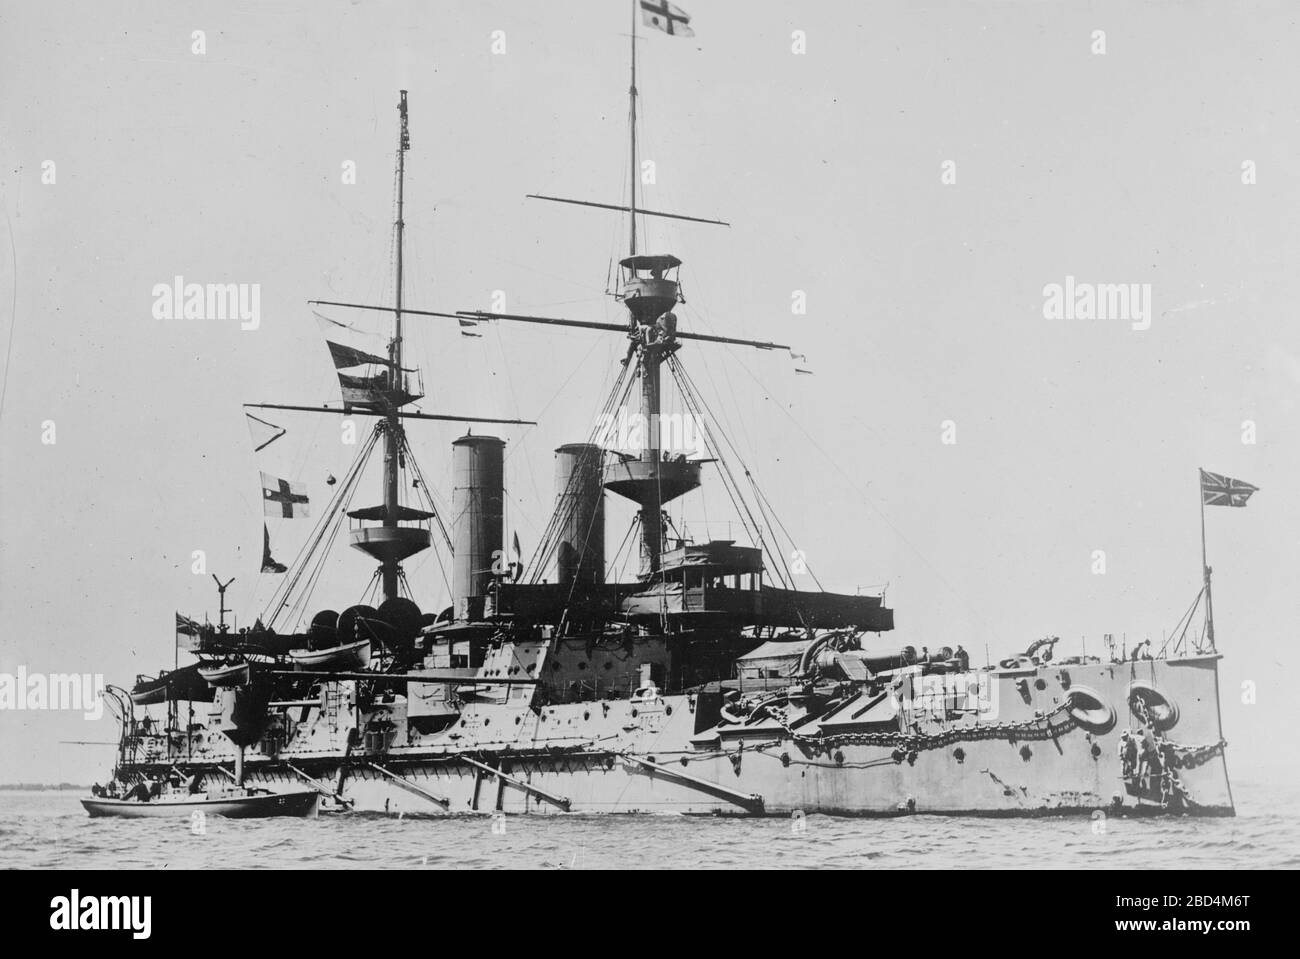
[
  {"x": 477, "y": 535},
  {"x": 580, "y": 504}
]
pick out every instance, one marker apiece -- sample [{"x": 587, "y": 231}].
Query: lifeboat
[
  {"x": 339, "y": 659},
  {"x": 150, "y": 692},
  {"x": 223, "y": 675},
  {"x": 184, "y": 684}
]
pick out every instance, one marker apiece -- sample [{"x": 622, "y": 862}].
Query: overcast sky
[{"x": 924, "y": 300}]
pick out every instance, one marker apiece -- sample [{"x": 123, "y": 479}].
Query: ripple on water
[{"x": 47, "y": 830}]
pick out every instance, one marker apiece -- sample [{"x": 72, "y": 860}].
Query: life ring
[
  {"x": 1160, "y": 706},
  {"x": 1089, "y": 709}
]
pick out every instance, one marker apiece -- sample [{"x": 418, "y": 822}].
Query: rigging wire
[
  {"x": 1187, "y": 617},
  {"x": 953, "y": 590},
  {"x": 298, "y": 609},
  {"x": 335, "y": 508},
  {"x": 564, "y": 509},
  {"x": 730, "y": 483},
  {"x": 627, "y": 537},
  {"x": 763, "y": 499}
]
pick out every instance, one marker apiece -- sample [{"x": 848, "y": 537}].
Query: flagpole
[
  {"x": 174, "y": 706},
  {"x": 632, "y": 126},
  {"x": 1205, "y": 566}
]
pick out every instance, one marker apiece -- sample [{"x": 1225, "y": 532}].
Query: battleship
[{"x": 707, "y": 684}]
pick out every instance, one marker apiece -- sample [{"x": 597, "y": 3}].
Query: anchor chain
[
  {"x": 1038, "y": 728},
  {"x": 1189, "y": 757},
  {"x": 1169, "y": 756},
  {"x": 1181, "y": 756}
]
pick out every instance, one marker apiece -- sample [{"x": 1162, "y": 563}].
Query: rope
[
  {"x": 1187, "y": 616},
  {"x": 331, "y": 517},
  {"x": 564, "y": 510},
  {"x": 691, "y": 394}
]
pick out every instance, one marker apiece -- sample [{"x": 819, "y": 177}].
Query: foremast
[
  {"x": 391, "y": 531},
  {"x": 391, "y": 542},
  {"x": 393, "y": 436}
]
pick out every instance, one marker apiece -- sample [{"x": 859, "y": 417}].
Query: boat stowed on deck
[{"x": 335, "y": 659}]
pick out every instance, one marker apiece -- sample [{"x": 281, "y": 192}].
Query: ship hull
[{"x": 620, "y": 756}]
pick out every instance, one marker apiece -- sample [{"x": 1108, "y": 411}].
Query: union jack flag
[{"x": 1219, "y": 490}]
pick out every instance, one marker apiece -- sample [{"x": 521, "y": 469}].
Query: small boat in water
[
  {"x": 338, "y": 659},
  {"x": 235, "y": 804}
]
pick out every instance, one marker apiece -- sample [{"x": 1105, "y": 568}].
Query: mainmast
[
  {"x": 649, "y": 289},
  {"x": 649, "y": 293}
]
